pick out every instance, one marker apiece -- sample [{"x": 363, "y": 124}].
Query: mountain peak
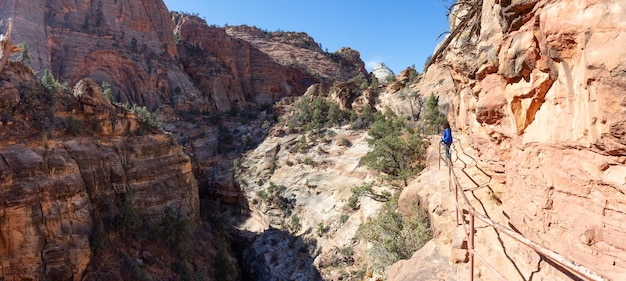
[{"x": 382, "y": 72}]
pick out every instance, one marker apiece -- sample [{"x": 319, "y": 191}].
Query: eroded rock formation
[
  {"x": 65, "y": 161},
  {"x": 538, "y": 89}
]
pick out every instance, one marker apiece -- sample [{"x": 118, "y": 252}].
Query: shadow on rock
[{"x": 278, "y": 255}]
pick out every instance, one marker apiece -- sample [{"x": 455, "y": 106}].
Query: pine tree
[
  {"x": 48, "y": 81},
  {"x": 24, "y": 57},
  {"x": 434, "y": 118}
]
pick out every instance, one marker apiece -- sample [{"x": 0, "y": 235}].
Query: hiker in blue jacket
[{"x": 447, "y": 137}]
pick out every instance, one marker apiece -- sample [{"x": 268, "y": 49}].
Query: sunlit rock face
[
  {"x": 66, "y": 159},
  {"x": 382, "y": 72},
  {"x": 539, "y": 94}
]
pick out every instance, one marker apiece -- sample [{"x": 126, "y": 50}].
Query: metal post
[
  {"x": 456, "y": 195},
  {"x": 471, "y": 246}
]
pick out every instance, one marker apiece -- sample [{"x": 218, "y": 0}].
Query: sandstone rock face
[
  {"x": 298, "y": 51},
  {"x": 129, "y": 44},
  {"x": 382, "y": 72},
  {"x": 540, "y": 96},
  {"x": 318, "y": 175},
  {"x": 51, "y": 197},
  {"x": 175, "y": 65},
  {"x": 169, "y": 62},
  {"x": 233, "y": 73},
  {"x": 64, "y": 165},
  {"x": 238, "y": 69}
]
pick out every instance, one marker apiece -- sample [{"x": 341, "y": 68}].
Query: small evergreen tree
[
  {"x": 394, "y": 237},
  {"x": 148, "y": 117},
  {"x": 225, "y": 269},
  {"x": 48, "y": 81},
  {"x": 106, "y": 90},
  {"x": 427, "y": 63},
  {"x": 434, "y": 118},
  {"x": 24, "y": 56},
  {"x": 413, "y": 74},
  {"x": 395, "y": 152},
  {"x": 374, "y": 84}
]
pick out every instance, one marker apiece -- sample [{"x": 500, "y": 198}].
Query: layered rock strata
[{"x": 66, "y": 159}]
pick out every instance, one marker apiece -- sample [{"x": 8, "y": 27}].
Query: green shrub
[
  {"x": 106, "y": 90},
  {"x": 144, "y": 114},
  {"x": 49, "y": 82},
  {"x": 95, "y": 124},
  {"x": 343, "y": 218},
  {"x": 310, "y": 162},
  {"x": 413, "y": 74},
  {"x": 262, "y": 194},
  {"x": 321, "y": 229},
  {"x": 128, "y": 221},
  {"x": 346, "y": 142},
  {"x": 374, "y": 84},
  {"x": 319, "y": 114},
  {"x": 266, "y": 125},
  {"x": 394, "y": 237},
  {"x": 225, "y": 268},
  {"x": 138, "y": 272},
  {"x": 24, "y": 56},
  {"x": 73, "y": 126},
  {"x": 353, "y": 202},
  {"x": 274, "y": 196},
  {"x": 175, "y": 231},
  {"x": 397, "y": 153},
  {"x": 433, "y": 118},
  {"x": 367, "y": 190},
  {"x": 294, "y": 224},
  {"x": 427, "y": 63},
  {"x": 184, "y": 270}
]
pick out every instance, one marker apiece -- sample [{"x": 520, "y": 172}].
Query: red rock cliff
[
  {"x": 539, "y": 91},
  {"x": 126, "y": 43},
  {"x": 66, "y": 160},
  {"x": 132, "y": 45}
]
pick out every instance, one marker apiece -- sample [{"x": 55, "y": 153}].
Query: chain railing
[{"x": 570, "y": 267}]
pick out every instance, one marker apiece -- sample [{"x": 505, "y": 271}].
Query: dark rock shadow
[{"x": 276, "y": 255}]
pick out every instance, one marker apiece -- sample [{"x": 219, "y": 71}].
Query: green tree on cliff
[
  {"x": 434, "y": 118},
  {"x": 50, "y": 83},
  {"x": 24, "y": 56},
  {"x": 396, "y": 152}
]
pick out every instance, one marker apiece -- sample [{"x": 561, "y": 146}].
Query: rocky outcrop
[
  {"x": 538, "y": 90},
  {"x": 231, "y": 72},
  {"x": 66, "y": 160},
  {"x": 297, "y": 225},
  {"x": 128, "y": 44},
  {"x": 7, "y": 49},
  {"x": 297, "y": 51},
  {"x": 382, "y": 73},
  {"x": 186, "y": 72},
  {"x": 177, "y": 65}
]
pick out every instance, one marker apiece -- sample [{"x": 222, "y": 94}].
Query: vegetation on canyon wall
[
  {"x": 397, "y": 149},
  {"x": 126, "y": 234}
]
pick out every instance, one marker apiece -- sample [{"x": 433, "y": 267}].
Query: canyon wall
[
  {"x": 125, "y": 43},
  {"x": 68, "y": 161},
  {"x": 538, "y": 89},
  {"x": 208, "y": 86},
  {"x": 179, "y": 67},
  {"x": 167, "y": 62}
]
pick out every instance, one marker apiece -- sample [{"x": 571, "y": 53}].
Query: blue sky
[{"x": 397, "y": 33}]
